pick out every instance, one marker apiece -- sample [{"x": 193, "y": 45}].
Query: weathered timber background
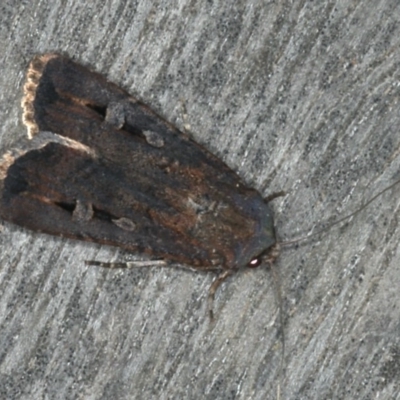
[{"x": 301, "y": 96}]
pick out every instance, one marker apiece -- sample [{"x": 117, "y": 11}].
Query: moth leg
[
  {"x": 184, "y": 115},
  {"x": 127, "y": 264},
  {"x": 272, "y": 254},
  {"x": 274, "y": 196},
  {"x": 213, "y": 288}
]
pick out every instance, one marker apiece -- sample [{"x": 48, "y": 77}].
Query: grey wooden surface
[{"x": 301, "y": 96}]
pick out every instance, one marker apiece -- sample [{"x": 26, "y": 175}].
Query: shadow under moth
[{"x": 101, "y": 166}]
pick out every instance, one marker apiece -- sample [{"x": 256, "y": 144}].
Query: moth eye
[{"x": 255, "y": 262}]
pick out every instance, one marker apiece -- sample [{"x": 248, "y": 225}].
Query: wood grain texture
[{"x": 295, "y": 96}]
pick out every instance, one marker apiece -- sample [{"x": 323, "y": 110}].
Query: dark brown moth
[{"x": 101, "y": 166}]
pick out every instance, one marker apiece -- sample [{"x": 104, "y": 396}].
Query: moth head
[{"x": 266, "y": 257}]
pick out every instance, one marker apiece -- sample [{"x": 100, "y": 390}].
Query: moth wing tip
[{"x": 33, "y": 76}]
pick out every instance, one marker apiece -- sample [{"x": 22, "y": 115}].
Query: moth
[{"x": 101, "y": 166}]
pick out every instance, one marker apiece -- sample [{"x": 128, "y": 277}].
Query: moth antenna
[
  {"x": 269, "y": 259},
  {"x": 340, "y": 220},
  {"x": 278, "y": 290}
]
